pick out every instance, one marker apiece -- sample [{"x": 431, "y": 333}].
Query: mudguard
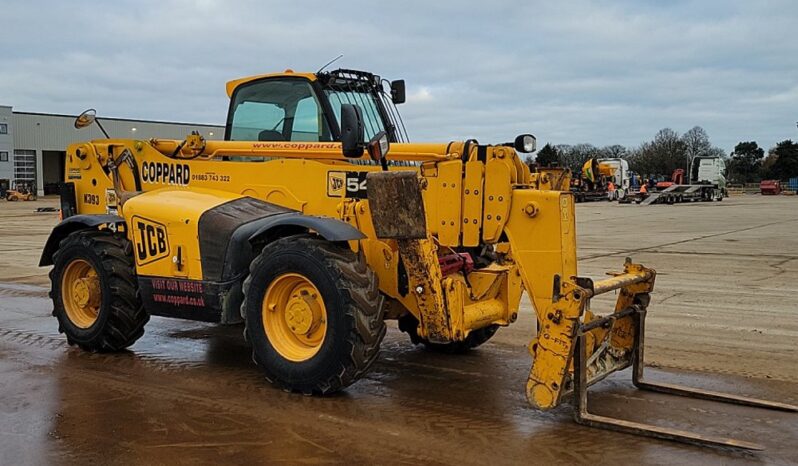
[
  {"x": 231, "y": 234},
  {"x": 228, "y": 232},
  {"x": 73, "y": 224}
]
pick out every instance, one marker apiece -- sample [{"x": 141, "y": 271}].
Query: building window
[
  {"x": 25, "y": 166},
  {"x": 4, "y": 129},
  {"x": 3, "y": 156}
]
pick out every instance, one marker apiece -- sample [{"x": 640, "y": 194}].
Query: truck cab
[
  {"x": 306, "y": 107},
  {"x": 617, "y": 170},
  {"x": 709, "y": 170}
]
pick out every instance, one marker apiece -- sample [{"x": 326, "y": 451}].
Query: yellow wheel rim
[
  {"x": 80, "y": 293},
  {"x": 294, "y": 317}
]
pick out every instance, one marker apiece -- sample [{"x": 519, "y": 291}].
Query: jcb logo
[
  {"x": 335, "y": 184},
  {"x": 151, "y": 241},
  {"x": 346, "y": 184}
]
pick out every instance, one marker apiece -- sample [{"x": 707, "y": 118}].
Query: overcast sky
[{"x": 569, "y": 72}]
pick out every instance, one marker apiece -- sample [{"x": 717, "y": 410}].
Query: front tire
[
  {"x": 313, "y": 314},
  {"x": 95, "y": 293}
]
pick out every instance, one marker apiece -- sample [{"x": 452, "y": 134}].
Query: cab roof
[{"x": 232, "y": 85}]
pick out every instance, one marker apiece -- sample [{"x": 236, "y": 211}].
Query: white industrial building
[{"x": 33, "y": 145}]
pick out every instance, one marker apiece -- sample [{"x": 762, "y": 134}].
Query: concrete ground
[{"x": 723, "y": 317}]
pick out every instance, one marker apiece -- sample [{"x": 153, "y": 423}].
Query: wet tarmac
[{"x": 187, "y": 393}]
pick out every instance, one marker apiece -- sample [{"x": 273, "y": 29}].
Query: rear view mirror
[
  {"x": 88, "y": 118},
  {"x": 398, "y": 91},
  {"x": 352, "y": 130},
  {"x": 85, "y": 119}
]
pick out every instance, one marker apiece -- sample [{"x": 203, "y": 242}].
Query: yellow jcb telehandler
[{"x": 315, "y": 220}]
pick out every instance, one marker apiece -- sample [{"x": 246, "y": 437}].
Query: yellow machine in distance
[{"x": 316, "y": 219}]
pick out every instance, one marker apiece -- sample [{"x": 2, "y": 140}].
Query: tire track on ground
[
  {"x": 476, "y": 428},
  {"x": 23, "y": 291},
  {"x": 673, "y": 243}
]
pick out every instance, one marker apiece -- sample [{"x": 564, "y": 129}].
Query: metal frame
[{"x": 584, "y": 417}]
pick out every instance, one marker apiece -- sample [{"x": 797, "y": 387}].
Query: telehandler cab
[{"x": 315, "y": 220}]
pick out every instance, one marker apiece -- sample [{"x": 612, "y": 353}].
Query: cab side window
[
  {"x": 277, "y": 109},
  {"x": 254, "y": 120}
]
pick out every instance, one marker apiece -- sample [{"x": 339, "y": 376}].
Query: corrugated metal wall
[
  {"x": 6, "y": 145},
  {"x": 54, "y": 132}
]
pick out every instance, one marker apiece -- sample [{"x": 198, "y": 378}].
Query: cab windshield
[
  {"x": 365, "y": 90},
  {"x": 372, "y": 123}
]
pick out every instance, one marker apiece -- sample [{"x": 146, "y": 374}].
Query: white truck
[
  {"x": 709, "y": 170},
  {"x": 617, "y": 171}
]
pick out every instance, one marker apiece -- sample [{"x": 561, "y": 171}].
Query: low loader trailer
[{"x": 677, "y": 193}]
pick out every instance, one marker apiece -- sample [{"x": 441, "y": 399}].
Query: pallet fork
[
  {"x": 600, "y": 346},
  {"x": 584, "y": 417}
]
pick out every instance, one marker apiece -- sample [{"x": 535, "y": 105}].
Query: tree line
[{"x": 670, "y": 150}]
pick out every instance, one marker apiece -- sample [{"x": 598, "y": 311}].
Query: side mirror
[
  {"x": 88, "y": 118},
  {"x": 378, "y": 147},
  {"x": 398, "y": 91},
  {"x": 352, "y": 130},
  {"x": 525, "y": 143},
  {"x": 85, "y": 119}
]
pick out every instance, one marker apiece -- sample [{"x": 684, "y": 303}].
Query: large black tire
[
  {"x": 121, "y": 317},
  {"x": 409, "y": 325},
  {"x": 355, "y": 325}
]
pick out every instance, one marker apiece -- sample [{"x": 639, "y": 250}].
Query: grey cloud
[{"x": 599, "y": 72}]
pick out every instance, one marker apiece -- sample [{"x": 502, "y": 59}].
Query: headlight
[{"x": 525, "y": 143}]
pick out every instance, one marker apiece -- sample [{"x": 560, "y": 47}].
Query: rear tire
[
  {"x": 302, "y": 360},
  {"x": 116, "y": 318},
  {"x": 409, "y": 325}
]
